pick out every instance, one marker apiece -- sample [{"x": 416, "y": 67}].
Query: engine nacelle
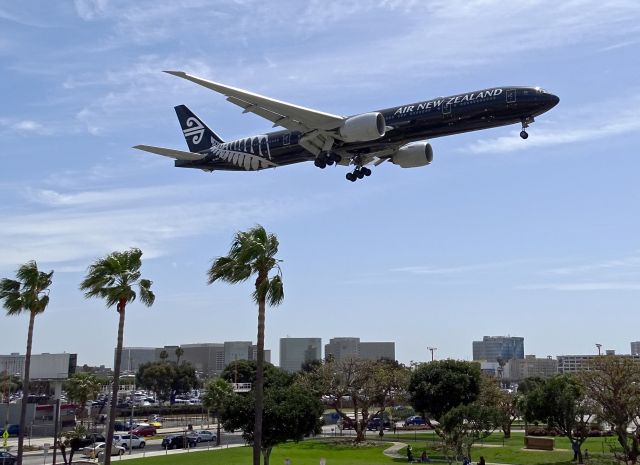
[
  {"x": 413, "y": 155},
  {"x": 362, "y": 128}
]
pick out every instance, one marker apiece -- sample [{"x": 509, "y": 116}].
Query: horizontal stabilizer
[{"x": 171, "y": 153}]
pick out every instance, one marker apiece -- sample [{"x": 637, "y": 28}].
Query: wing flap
[
  {"x": 278, "y": 112},
  {"x": 171, "y": 153}
]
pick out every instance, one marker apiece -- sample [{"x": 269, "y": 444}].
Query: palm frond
[{"x": 275, "y": 292}]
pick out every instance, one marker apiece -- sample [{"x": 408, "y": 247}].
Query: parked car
[
  {"x": 202, "y": 435},
  {"x": 144, "y": 430},
  {"x": 125, "y": 439},
  {"x": 178, "y": 441},
  {"x": 374, "y": 423},
  {"x": 346, "y": 423},
  {"x": 94, "y": 451},
  {"x": 120, "y": 426},
  {"x": 414, "y": 420},
  {"x": 90, "y": 439},
  {"x": 7, "y": 458},
  {"x": 13, "y": 429}
]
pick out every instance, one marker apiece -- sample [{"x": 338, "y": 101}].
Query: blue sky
[{"x": 535, "y": 238}]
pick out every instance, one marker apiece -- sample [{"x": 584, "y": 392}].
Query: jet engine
[
  {"x": 413, "y": 155},
  {"x": 362, "y": 128}
]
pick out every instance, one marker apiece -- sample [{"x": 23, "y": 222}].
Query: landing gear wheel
[
  {"x": 334, "y": 157},
  {"x": 351, "y": 177},
  {"x": 366, "y": 171},
  {"x": 524, "y": 134},
  {"x": 360, "y": 173},
  {"x": 320, "y": 163}
]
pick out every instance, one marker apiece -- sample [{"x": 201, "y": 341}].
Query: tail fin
[{"x": 198, "y": 136}]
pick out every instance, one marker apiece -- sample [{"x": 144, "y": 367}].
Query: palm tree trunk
[
  {"x": 257, "y": 430},
  {"x": 25, "y": 388},
  {"x": 116, "y": 385},
  {"x": 218, "y": 427}
]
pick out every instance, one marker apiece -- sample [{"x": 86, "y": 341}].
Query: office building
[
  {"x": 377, "y": 350},
  {"x": 44, "y": 367},
  {"x": 341, "y": 348},
  {"x": 133, "y": 357},
  {"x": 493, "y": 348},
  {"x": 206, "y": 358},
  {"x": 295, "y": 351},
  {"x": 635, "y": 348},
  {"x": 518, "y": 369}
]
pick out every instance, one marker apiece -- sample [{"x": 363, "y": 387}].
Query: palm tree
[
  {"x": 113, "y": 279},
  {"x": 164, "y": 355},
  {"x": 29, "y": 292},
  {"x": 254, "y": 252},
  {"x": 82, "y": 387},
  {"x": 179, "y": 353}
]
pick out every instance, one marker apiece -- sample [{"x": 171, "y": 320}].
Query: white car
[
  {"x": 95, "y": 450},
  {"x": 124, "y": 439},
  {"x": 202, "y": 436}
]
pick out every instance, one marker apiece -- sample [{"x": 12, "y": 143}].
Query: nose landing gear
[{"x": 525, "y": 124}]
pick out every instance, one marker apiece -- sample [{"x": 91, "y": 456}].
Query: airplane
[{"x": 399, "y": 134}]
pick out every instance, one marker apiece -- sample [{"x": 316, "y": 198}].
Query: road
[{"x": 226, "y": 439}]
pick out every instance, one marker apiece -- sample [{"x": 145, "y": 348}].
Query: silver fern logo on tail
[{"x": 194, "y": 128}]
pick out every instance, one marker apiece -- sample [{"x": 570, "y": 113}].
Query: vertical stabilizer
[{"x": 198, "y": 136}]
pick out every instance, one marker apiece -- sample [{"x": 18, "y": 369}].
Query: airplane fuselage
[{"x": 442, "y": 116}]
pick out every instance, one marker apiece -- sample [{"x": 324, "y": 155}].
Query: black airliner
[{"x": 398, "y": 134}]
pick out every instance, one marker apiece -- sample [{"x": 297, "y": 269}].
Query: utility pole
[
  {"x": 432, "y": 349},
  {"x": 598, "y": 346}
]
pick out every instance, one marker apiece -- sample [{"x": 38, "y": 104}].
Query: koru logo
[{"x": 195, "y": 129}]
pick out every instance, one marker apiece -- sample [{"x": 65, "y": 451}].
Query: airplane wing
[
  {"x": 315, "y": 125},
  {"x": 171, "y": 153}
]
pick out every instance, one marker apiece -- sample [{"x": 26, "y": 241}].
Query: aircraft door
[
  {"x": 446, "y": 110},
  {"x": 511, "y": 95}
]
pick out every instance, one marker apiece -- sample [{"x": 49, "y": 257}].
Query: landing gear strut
[
  {"x": 525, "y": 124},
  {"x": 327, "y": 159}
]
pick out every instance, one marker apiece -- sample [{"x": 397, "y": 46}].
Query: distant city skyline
[{"x": 498, "y": 235}]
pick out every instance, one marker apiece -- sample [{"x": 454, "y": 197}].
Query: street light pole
[{"x": 432, "y": 349}]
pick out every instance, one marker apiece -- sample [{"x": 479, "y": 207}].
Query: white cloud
[
  {"x": 593, "y": 125},
  {"x": 625, "y": 263},
  {"x": 66, "y": 228},
  {"x": 90, "y": 9},
  {"x": 590, "y": 286}
]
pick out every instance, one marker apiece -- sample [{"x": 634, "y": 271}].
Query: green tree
[
  {"x": 81, "y": 388},
  {"x": 505, "y": 403},
  {"x": 29, "y": 292},
  {"x": 561, "y": 403},
  {"x": 114, "y": 278},
  {"x": 244, "y": 371},
  {"x": 253, "y": 252},
  {"x": 9, "y": 384},
  {"x": 164, "y": 355},
  {"x": 215, "y": 394},
  {"x": 464, "y": 425},
  {"x": 291, "y": 412},
  {"x": 614, "y": 385},
  {"x": 167, "y": 379},
  {"x": 437, "y": 387}
]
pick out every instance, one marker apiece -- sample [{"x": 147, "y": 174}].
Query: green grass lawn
[{"x": 343, "y": 452}]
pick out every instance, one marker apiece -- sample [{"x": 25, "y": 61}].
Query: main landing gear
[
  {"x": 525, "y": 124},
  {"x": 327, "y": 159},
  {"x": 359, "y": 173}
]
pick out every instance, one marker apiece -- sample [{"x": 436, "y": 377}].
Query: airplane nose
[{"x": 554, "y": 100}]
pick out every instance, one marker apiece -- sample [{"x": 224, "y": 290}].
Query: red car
[{"x": 147, "y": 430}]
